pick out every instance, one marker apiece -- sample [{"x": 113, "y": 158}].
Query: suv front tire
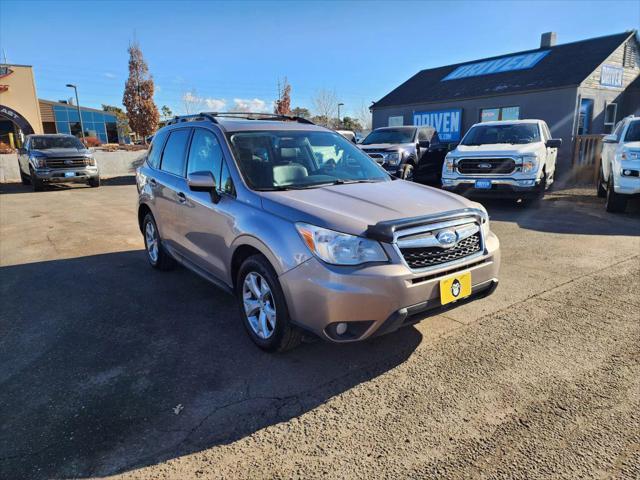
[{"x": 263, "y": 307}]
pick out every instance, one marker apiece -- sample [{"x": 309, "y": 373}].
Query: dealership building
[
  {"x": 578, "y": 88},
  {"x": 23, "y": 113}
]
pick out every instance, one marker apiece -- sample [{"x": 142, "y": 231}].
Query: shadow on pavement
[
  {"x": 97, "y": 352},
  {"x": 578, "y": 212},
  {"x": 11, "y": 188}
]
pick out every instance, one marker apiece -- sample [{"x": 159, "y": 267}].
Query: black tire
[
  {"x": 163, "y": 260},
  {"x": 601, "y": 190},
  {"x": 407, "y": 172},
  {"x": 24, "y": 179},
  {"x": 616, "y": 203},
  {"x": 284, "y": 336},
  {"x": 94, "y": 182},
  {"x": 37, "y": 185},
  {"x": 538, "y": 195}
]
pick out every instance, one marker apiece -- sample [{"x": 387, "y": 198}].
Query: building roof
[
  {"x": 565, "y": 65},
  {"x": 70, "y": 105}
]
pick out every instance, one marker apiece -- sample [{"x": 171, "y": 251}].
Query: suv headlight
[
  {"x": 627, "y": 155},
  {"x": 449, "y": 163},
  {"x": 340, "y": 248},
  {"x": 529, "y": 163}
]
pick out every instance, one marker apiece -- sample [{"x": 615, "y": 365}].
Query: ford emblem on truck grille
[
  {"x": 484, "y": 165},
  {"x": 447, "y": 238}
]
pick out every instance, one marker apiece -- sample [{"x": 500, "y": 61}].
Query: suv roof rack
[{"x": 212, "y": 116}]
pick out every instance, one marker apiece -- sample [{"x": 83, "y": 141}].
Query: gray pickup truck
[{"x": 56, "y": 158}]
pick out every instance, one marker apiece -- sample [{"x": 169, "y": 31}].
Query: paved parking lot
[{"x": 541, "y": 380}]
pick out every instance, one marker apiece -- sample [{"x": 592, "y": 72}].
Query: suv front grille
[
  {"x": 432, "y": 256},
  {"x": 486, "y": 165},
  {"x": 66, "y": 162}
]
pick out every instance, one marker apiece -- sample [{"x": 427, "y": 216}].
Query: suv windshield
[
  {"x": 512, "y": 134},
  {"x": 390, "y": 135},
  {"x": 282, "y": 160},
  {"x": 45, "y": 143},
  {"x": 633, "y": 132}
]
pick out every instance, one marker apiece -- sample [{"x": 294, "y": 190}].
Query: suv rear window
[
  {"x": 173, "y": 157},
  {"x": 155, "y": 151}
]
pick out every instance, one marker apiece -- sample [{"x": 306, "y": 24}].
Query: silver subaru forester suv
[{"x": 307, "y": 231}]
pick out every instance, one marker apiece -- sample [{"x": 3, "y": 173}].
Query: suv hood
[
  {"x": 632, "y": 145},
  {"x": 386, "y": 146},
  {"x": 62, "y": 152},
  {"x": 352, "y": 208},
  {"x": 499, "y": 149}
]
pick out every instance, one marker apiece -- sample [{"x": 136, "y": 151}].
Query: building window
[
  {"x": 610, "y": 113},
  {"x": 502, "y": 113},
  {"x": 396, "y": 121},
  {"x": 49, "y": 127},
  {"x": 586, "y": 113}
]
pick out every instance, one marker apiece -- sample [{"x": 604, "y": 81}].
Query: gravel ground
[{"x": 541, "y": 380}]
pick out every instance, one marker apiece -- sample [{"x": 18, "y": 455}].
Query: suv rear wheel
[
  {"x": 156, "y": 254},
  {"x": 262, "y": 305}
]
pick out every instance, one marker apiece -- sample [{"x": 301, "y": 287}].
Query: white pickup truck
[
  {"x": 515, "y": 159},
  {"x": 620, "y": 166}
]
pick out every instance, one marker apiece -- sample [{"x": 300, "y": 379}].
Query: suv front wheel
[{"x": 263, "y": 308}]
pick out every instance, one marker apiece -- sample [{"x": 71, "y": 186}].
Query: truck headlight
[
  {"x": 627, "y": 155},
  {"x": 449, "y": 163},
  {"x": 529, "y": 163},
  {"x": 394, "y": 158},
  {"x": 90, "y": 160},
  {"x": 340, "y": 248},
  {"x": 37, "y": 160}
]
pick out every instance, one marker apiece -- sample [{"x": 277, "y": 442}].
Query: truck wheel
[
  {"x": 407, "y": 172},
  {"x": 24, "y": 179},
  {"x": 94, "y": 182},
  {"x": 616, "y": 203},
  {"x": 156, "y": 254},
  {"x": 263, "y": 307},
  {"x": 37, "y": 185},
  {"x": 602, "y": 191}
]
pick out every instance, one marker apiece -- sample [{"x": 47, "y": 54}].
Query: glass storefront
[{"x": 101, "y": 125}]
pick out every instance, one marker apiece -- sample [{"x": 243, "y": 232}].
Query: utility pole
[
  {"x": 339, "y": 121},
  {"x": 70, "y": 85}
]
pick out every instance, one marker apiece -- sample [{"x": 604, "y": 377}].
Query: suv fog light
[
  {"x": 341, "y": 328},
  {"x": 630, "y": 173},
  {"x": 527, "y": 183}
]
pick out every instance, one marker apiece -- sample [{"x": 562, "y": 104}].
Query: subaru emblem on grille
[
  {"x": 484, "y": 165},
  {"x": 447, "y": 238}
]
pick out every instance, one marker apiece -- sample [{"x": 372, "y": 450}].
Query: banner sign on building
[
  {"x": 499, "y": 65},
  {"x": 611, "y": 76},
  {"x": 447, "y": 123}
]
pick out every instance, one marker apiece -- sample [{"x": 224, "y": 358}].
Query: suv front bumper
[
  {"x": 378, "y": 298},
  {"x": 60, "y": 175},
  {"x": 500, "y": 186}
]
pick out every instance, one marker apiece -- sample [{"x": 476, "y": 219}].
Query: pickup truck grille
[
  {"x": 471, "y": 166},
  {"x": 66, "y": 162},
  {"x": 432, "y": 256}
]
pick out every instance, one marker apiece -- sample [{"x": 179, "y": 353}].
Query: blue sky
[{"x": 238, "y": 50}]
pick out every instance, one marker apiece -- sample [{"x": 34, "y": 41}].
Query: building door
[{"x": 586, "y": 114}]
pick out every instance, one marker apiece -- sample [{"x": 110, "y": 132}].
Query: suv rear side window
[
  {"x": 205, "y": 154},
  {"x": 155, "y": 151},
  {"x": 173, "y": 156}
]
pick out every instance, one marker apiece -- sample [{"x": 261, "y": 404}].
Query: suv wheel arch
[
  {"x": 246, "y": 247},
  {"x": 143, "y": 209}
]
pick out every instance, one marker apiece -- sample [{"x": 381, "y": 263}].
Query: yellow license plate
[{"x": 455, "y": 287}]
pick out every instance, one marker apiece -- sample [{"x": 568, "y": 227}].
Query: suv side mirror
[
  {"x": 554, "y": 143},
  {"x": 204, "y": 182},
  {"x": 610, "y": 139},
  {"x": 424, "y": 143},
  {"x": 452, "y": 146}
]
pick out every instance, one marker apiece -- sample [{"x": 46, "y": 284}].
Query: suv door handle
[
  {"x": 153, "y": 182},
  {"x": 182, "y": 197}
]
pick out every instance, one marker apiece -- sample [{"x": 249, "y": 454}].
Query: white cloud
[
  {"x": 193, "y": 102},
  {"x": 215, "y": 104},
  {"x": 250, "y": 105},
  {"x": 110, "y": 75}
]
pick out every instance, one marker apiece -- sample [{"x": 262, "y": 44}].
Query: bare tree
[
  {"x": 192, "y": 102},
  {"x": 325, "y": 104},
  {"x": 363, "y": 114}
]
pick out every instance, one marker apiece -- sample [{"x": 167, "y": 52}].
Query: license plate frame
[
  {"x": 455, "y": 287},
  {"x": 483, "y": 184}
]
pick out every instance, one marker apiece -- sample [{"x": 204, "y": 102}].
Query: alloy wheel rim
[
  {"x": 259, "y": 305},
  {"x": 152, "y": 242}
]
